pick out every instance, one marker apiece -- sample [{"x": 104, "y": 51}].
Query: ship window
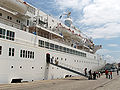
[
  {"x": 56, "y": 47},
  {"x": 51, "y": 46},
  {"x": 0, "y": 50},
  {"x": 10, "y": 35},
  {"x": 20, "y": 53},
  {"x": 0, "y": 14},
  {"x": 28, "y": 54},
  {"x": 8, "y": 17},
  {"x": 68, "y": 50},
  {"x": 23, "y": 53},
  {"x": 27, "y": 22},
  {"x": 11, "y": 51},
  {"x": 72, "y": 51},
  {"x": 33, "y": 55},
  {"x": 41, "y": 43},
  {"x": 11, "y": 66},
  {"x": 2, "y": 33},
  {"x": 76, "y": 52},
  {"x": 17, "y": 21},
  {"x": 64, "y": 49},
  {"x": 60, "y": 48},
  {"x": 79, "y": 53},
  {"x": 46, "y": 44}
]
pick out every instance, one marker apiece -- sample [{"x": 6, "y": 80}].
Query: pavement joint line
[{"x": 103, "y": 84}]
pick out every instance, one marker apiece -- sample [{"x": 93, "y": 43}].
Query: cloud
[
  {"x": 102, "y": 12},
  {"x": 113, "y": 45},
  {"x": 110, "y": 56},
  {"x": 103, "y": 51},
  {"x": 110, "y": 30},
  {"x": 74, "y": 4},
  {"x": 111, "y": 59},
  {"x": 102, "y": 15}
]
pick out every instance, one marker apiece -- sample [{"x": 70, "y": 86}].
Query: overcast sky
[{"x": 99, "y": 19}]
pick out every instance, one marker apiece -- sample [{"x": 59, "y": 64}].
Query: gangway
[{"x": 69, "y": 69}]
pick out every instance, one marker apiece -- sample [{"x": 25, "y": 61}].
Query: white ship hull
[
  {"x": 25, "y": 42},
  {"x": 39, "y": 70}
]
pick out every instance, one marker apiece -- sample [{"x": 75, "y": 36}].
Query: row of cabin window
[
  {"x": 60, "y": 48},
  {"x": 11, "y": 51},
  {"x": 85, "y": 62},
  {"x": 10, "y": 18},
  {"x": 9, "y": 35},
  {"x": 23, "y": 53},
  {"x": 26, "y": 54}
]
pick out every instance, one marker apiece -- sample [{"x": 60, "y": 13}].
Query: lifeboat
[
  {"x": 14, "y": 5},
  {"x": 76, "y": 36},
  {"x": 66, "y": 32}
]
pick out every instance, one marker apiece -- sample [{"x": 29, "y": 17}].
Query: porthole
[
  {"x": 41, "y": 67},
  {"x": 65, "y": 59},
  {"x": 11, "y": 66}
]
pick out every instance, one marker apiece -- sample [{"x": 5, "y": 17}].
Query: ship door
[{"x": 48, "y": 58}]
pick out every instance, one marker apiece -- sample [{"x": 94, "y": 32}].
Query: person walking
[
  {"x": 117, "y": 71},
  {"x": 106, "y": 73},
  {"x": 94, "y": 75},
  {"x": 90, "y": 74},
  {"x": 110, "y": 74},
  {"x": 99, "y": 74},
  {"x": 85, "y": 70}
]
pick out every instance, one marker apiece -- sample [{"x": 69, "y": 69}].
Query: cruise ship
[{"x": 37, "y": 46}]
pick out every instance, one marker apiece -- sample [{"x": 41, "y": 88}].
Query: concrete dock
[{"x": 71, "y": 83}]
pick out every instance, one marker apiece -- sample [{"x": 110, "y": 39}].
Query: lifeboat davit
[{"x": 14, "y": 5}]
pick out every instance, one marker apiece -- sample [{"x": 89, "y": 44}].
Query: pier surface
[{"x": 72, "y": 83}]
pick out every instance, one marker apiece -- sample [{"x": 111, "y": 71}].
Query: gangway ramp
[{"x": 69, "y": 69}]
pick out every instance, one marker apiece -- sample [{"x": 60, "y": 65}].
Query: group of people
[
  {"x": 92, "y": 76},
  {"x": 108, "y": 74},
  {"x": 97, "y": 74}
]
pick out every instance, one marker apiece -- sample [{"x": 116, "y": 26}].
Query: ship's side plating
[{"x": 23, "y": 51}]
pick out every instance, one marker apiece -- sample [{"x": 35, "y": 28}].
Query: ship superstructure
[{"x": 36, "y": 46}]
